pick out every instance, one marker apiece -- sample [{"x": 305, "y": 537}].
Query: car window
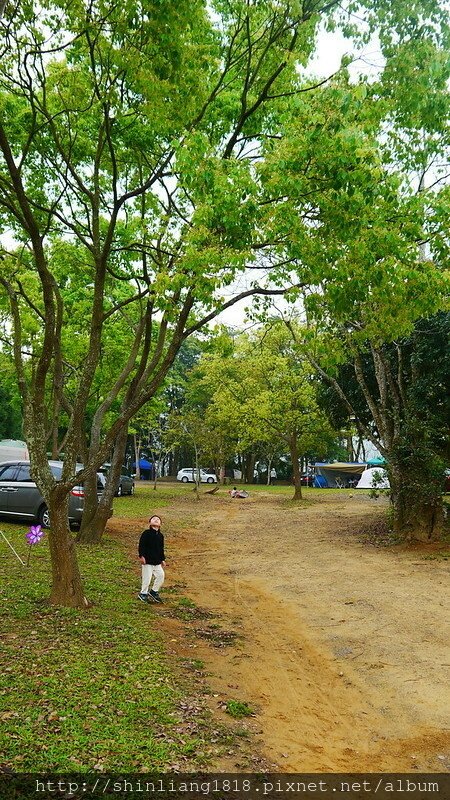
[
  {"x": 8, "y": 473},
  {"x": 24, "y": 473},
  {"x": 56, "y": 471}
]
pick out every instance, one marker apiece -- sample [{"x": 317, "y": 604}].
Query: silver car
[{"x": 21, "y": 499}]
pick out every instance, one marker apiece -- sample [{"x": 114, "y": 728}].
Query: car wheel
[
  {"x": 184, "y": 479},
  {"x": 44, "y": 517},
  {"x": 119, "y": 491},
  {"x": 210, "y": 480}
]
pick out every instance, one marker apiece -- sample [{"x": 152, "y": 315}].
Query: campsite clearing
[{"x": 340, "y": 646}]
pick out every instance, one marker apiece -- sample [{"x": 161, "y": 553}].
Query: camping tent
[
  {"x": 145, "y": 468},
  {"x": 376, "y": 462},
  {"x": 373, "y": 478},
  {"x": 339, "y": 473},
  {"x": 13, "y": 449}
]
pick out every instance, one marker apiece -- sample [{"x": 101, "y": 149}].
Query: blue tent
[
  {"x": 145, "y": 468},
  {"x": 338, "y": 473}
]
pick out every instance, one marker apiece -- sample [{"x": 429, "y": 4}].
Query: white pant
[{"x": 150, "y": 571}]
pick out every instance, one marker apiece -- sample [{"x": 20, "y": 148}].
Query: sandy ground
[{"x": 343, "y": 646}]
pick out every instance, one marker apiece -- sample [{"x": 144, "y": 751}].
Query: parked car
[
  {"x": 307, "y": 479},
  {"x": 20, "y": 498},
  {"x": 186, "y": 475},
  {"x": 125, "y": 484}
]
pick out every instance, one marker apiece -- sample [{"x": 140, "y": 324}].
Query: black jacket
[{"x": 151, "y": 546}]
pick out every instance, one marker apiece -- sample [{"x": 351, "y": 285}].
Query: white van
[{"x": 13, "y": 450}]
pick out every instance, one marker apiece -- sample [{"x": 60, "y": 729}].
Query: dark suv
[
  {"x": 125, "y": 484},
  {"x": 20, "y": 498}
]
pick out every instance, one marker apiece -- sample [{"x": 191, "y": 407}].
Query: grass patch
[
  {"x": 442, "y": 555},
  {"x": 238, "y": 710},
  {"x": 185, "y": 602},
  {"x": 307, "y": 491},
  {"x": 147, "y": 501},
  {"x": 83, "y": 690},
  {"x": 140, "y": 504}
]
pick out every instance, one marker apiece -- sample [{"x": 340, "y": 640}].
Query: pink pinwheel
[{"x": 35, "y": 534}]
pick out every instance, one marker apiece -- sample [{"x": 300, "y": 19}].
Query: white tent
[
  {"x": 12, "y": 450},
  {"x": 373, "y": 478}
]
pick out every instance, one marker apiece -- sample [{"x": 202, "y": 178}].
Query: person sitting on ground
[{"x": 238, "y": 492}]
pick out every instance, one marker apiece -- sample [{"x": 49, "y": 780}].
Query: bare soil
[{"x": 341, "y": 647}]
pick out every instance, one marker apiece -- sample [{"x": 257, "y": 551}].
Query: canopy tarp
[
  {"x": 339, "y": 473},
  {"x": 354, "y": 467}
]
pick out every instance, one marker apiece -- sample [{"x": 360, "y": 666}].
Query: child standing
[{"x": 152, "y": 558}]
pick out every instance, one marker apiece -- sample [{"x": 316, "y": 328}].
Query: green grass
[
  {"x": 83, "y": 690},
  {"x": 147, "y": 500},
  {"x": 238, "y": 710},
  {"x": 167, "y": 492},
  {"x": 140, "y": 504}
]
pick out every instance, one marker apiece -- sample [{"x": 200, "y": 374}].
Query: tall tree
[
  {"x": 127, "y": 130},
  {"x": 360, "y": 182},
  {"x": 397, "y": 395}
]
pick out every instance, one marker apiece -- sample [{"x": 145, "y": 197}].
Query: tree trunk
[
  {"x": 175, "y": 463},
  {"x": 295, "y": 467},
  {"x": 350, "y": 452},
  {"x": 196, "y": 475},
  {"x": 137, "y": 456},
  {"x": 90, "y": 506},
  {"x": 67, "y": 589},
  {"x": 93, "y": 532},
  {"x": 250, "y": 468},
  {"x": 156, "y": 463},
  {"x": 96, "y": 513},
  {"x": 269, "y": 469},
  {"x": 417, "y": 506},
  {"x": 55, "y": 430}
]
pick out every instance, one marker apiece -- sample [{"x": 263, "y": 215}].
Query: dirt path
[{"x": 344, "y": 646}]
